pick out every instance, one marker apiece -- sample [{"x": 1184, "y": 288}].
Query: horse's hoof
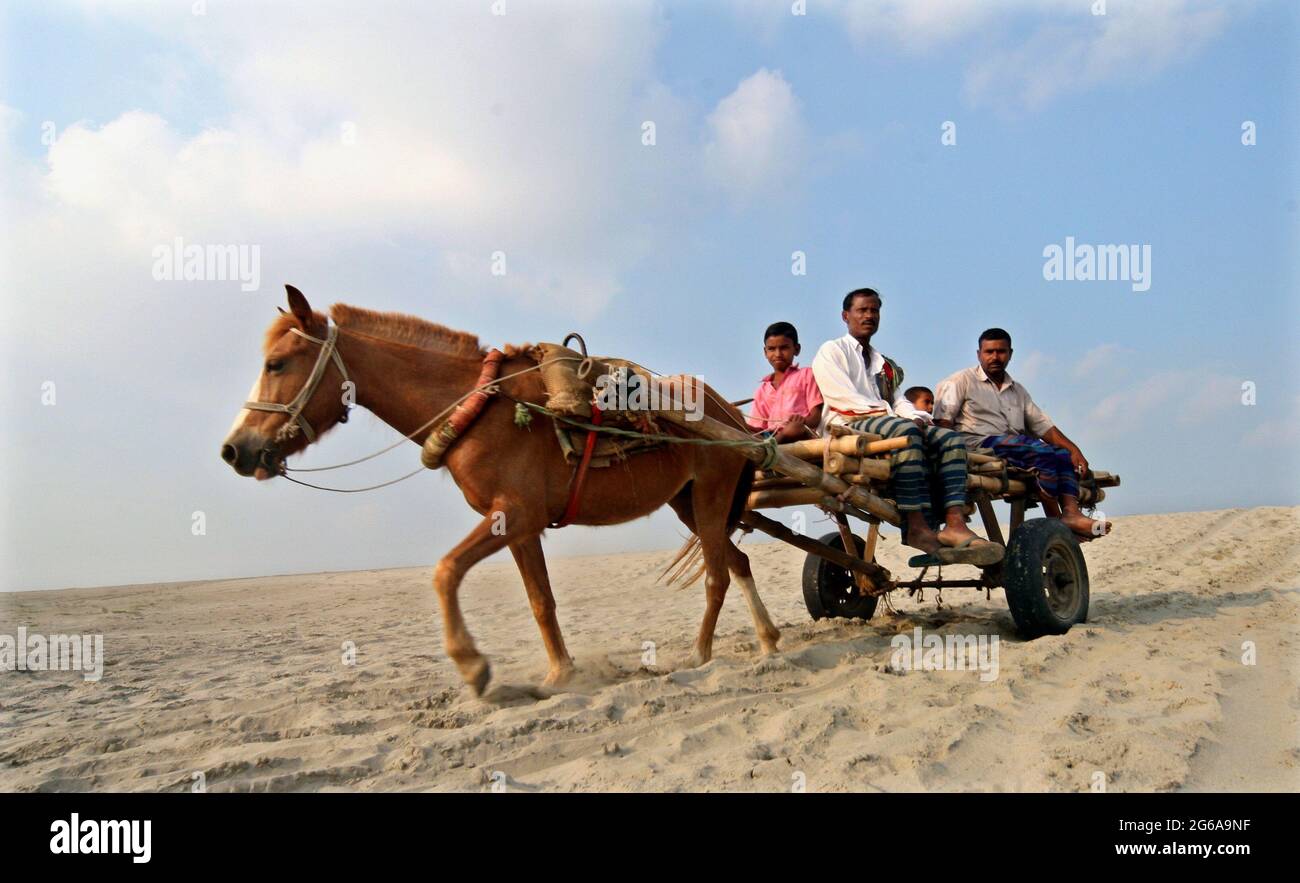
[
  {"x": 558, "y": 677},
  {"x": 696, "y": 659},
  {"x": 476, "y": 673}
]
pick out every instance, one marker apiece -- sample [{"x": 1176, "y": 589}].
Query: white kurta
[{"x": 848, "y": 384}]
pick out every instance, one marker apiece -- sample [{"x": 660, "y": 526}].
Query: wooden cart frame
[{"x": 1040, "y": 565}]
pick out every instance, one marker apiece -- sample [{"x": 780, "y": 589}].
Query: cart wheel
[
  {"x": 829, "y": 590},
  {"x": 1046, "y": 578}
]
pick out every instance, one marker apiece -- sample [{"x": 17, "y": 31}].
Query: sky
[{"x": 381, "y": 154}]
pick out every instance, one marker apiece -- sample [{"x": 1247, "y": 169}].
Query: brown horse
[{"x": 406, "y": 370}]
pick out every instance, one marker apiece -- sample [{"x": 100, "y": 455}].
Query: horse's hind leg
[
  {"x": 447, "y": 576},
  {"x": 709, "y": 510},
  {"x": 738, "y": 564},
  {"x": 532, "y": 567}
]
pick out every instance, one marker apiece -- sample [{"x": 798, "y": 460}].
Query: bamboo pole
[
  {"x": 994, "y": 485},
  {"x": 779, "y": 481},
  {"x": 851, "y": 445},
  {"x": 775, "y": 498},
  {"x": 839, "y": 430},
  {"x": 707, "y": 427},
  {"x": 840, "y": 463}
]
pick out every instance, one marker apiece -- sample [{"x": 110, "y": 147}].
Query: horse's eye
[{"x": 274, "y": 365}]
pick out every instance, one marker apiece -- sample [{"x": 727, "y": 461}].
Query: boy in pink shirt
[{"x": 787, "y": 403}]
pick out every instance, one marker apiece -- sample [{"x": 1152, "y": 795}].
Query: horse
[{"x": 405, "y": 370}]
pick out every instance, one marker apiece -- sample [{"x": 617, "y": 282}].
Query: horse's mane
[{"x": 409, "y": 330}]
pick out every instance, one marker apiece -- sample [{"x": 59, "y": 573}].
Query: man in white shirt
[
  {"x": 996, "y": 414},
  {"x": 864, "y": 390}
]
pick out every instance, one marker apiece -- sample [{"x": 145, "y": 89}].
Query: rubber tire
[
  {"x": 1035, "y": 544},
  {"x": 825, "y": 584}
]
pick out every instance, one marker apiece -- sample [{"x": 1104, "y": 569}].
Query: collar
[
  {"x": 794, "y": 367},
  {"x": 877, "y": 360},
  {"x": 979, "y": 371}
]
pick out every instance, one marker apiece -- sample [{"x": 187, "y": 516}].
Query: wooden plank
[
  {"x": 879, "y": 576},
  {"x": 991, "y": 526},
  {"x": 846, "y": 539}
]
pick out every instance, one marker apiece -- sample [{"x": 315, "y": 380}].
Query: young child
[
  {"x": 787, "y": 403},
  {"x": 922, "y": 399}
]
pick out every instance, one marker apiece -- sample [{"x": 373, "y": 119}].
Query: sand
[{"x": 244, "y": 681}]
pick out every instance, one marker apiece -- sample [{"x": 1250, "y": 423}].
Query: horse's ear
[{"x": 298, "y": 304}]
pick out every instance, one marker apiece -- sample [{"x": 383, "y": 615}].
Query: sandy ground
[{"x": 244, "y": 681}]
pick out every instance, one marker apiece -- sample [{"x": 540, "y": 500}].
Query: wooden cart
[{"x": 1040, "y": 566}]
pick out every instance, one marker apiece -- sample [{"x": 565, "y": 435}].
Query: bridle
[{"x": 328, "y": 350}]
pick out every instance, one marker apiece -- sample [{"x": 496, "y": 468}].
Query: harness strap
[
  {"x": 580, "y": 474},
  {"x": 329, "y": 350}
]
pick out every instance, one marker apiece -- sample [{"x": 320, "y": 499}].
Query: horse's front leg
[
  {"x": 532, "y": 567},
  {"x": 482, "y": 541}
]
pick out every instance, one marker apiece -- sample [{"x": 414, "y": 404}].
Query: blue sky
[{"x": 522, "y": 133}]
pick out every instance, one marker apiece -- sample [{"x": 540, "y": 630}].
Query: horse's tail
[{"x": 686, "y": 564}]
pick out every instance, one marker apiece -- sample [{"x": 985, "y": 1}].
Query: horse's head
[{"x": 299, "y": 394}]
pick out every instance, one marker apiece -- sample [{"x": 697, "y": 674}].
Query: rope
[
  {"x": 351, "y": 490},
  {"x": 769, "y": 443},
  {"x": 411, "y": 435}
]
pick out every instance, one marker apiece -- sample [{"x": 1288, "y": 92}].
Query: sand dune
[{"x": 244, "y": 681}]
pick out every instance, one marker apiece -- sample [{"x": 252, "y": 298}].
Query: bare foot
[
  {"x": 926, "y": 540},
  {"x": 1085, "y": 526},
  {"x": 953, "y": 536}
]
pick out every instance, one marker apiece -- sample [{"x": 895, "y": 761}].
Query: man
[
  {"x": 864, "y": 390},
  {"x": 996, "y": 415}
]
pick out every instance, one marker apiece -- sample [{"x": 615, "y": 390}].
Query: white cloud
[
  {"x": 1185, "y": 397},
  {"x": 757, "y": 137},
  {"x": 1123, "y": 409},
  {"x": 1080, "y": 51},
  {"x": 915, "y": 24},
  {"x": 441, "y": 126},
  {"x": 1031, "y": 366},
  {"x": 1021, "y": 53},
  {"x": 1100, "y": 361},
  {"x": 1279, "y": 432}
]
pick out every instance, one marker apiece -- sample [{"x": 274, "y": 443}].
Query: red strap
[{"x": 575, "y": 488}]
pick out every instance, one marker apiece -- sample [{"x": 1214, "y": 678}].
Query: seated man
[
  {"x": 787, "y": 403},
  {"x": 864, "y": 390},
  {"x": 997, "y": 416}
]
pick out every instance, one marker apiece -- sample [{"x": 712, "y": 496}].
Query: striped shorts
[{"x": 933, "y": 450}]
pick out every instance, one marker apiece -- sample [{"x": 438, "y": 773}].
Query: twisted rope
[{"x": 769, "y": 444}]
